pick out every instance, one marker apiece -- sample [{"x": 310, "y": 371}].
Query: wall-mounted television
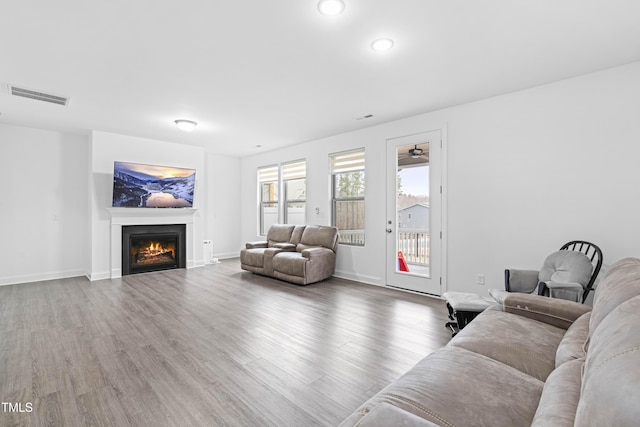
[{"x": 139, "y": 185}]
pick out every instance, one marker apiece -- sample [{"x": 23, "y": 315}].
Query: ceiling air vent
[{"x": 38, "y": 96}]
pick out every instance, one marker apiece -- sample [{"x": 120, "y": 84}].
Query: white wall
[
  {"x": 527, "y": 172},
  {"x": 57, "y": 188},
  {"x": 43, "y": 206},
  {"x": 222, "y": 225},
  {"x": 531, "y": 170},
  {"x": 107, "y": 148}
]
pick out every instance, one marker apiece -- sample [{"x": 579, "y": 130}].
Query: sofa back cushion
[
  {"x": 279, "y": 233},
  {"x": 611, "y": 378},
  {"x": 560, "y": 396},
  {"x": 573, "y": 344},
  {"x": 296, "y": 236},
  {"x": 318, "y": 236},
  {"x": 621, "y": 283}
]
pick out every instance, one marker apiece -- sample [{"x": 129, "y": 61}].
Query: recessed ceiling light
[
  {"x": 186, "y": 125},
  {"x": 381, "y": 45},
  {"x": 331, "y": 7}
]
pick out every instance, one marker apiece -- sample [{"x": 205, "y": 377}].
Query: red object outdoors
[{"x": 402, "y": 263}]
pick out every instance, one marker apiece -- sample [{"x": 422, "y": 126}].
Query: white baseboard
[
  {"x": 102, "y": 275},
  {"x": 28, "y": 278},
  {"x": 370, "y": 280},
  {"x": 195, "y": 264},
  {"x": 227, "y": 255}
]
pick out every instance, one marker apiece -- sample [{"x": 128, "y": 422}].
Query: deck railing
[
  {"x": 352, "y": 237},
  {"x": 414, "y": 243}
]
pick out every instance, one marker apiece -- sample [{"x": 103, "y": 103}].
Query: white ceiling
[{"x": 275, "y": 73}]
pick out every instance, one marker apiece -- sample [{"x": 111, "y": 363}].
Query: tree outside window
[{"x": 348, "y": 207}]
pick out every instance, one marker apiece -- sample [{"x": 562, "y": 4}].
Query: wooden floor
[{"x": 206, "y": 346}]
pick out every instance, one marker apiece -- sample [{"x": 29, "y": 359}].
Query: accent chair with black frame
[{"x": 569, "y": 273}]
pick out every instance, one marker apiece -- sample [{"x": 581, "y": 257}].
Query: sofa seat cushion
[
  {"x": 385, "y": 415},
  {"x": 456, "y": 387},
  {"x": 522, "y": 343},
  {"x": 290, "y": 263},
  {"x": 560, "y": 396},
  {"x": 253, "y": 257},
  {"x": 573, "y": 343}
]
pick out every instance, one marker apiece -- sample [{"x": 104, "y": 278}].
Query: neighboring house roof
[{"x": 424, "y": 205}]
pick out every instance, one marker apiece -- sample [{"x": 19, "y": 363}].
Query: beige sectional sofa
[
  {"x": 539, "y": 361},
  {"x": 298, "y": 254}
]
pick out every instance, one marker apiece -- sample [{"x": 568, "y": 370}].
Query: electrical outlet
[{"x": 481, "y": 279}]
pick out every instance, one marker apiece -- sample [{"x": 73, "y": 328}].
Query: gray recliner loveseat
[{"x": 298, "y": 254}]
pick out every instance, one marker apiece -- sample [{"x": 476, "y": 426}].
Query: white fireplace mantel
[{"x": 148, "y": 216}]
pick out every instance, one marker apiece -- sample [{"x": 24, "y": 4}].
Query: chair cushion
[
  {"x": 525, "y": 344},
  {"x": 573, "y": 343},
  {"x": 464, "y": 301},
  {"x": 566, "y": 267}
]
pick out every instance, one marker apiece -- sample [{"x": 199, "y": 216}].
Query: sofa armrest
[
  {"x": 256, "y": 245},
  {"x": 313, "y": 253},
  {"x": 267, "y": 261},
  {"x": 285, "y": 247},
  {"x": 320, "y": 264},
  {"x": 555, "y": 312},
  {"x": 520, "y": 280}
]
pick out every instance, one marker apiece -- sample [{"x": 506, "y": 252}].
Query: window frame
[
  {"x": 296, "y": 177},
  {"x": 346, "y": 169},
  {"x": 261, "y": 201}
]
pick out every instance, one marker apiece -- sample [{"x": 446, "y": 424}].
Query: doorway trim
[{"x": 443, "y": 210}]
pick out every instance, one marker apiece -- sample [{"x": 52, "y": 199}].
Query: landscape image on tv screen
[{"x": 147, "y": 186}]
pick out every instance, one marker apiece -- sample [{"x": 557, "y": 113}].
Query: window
[
  {"x": 295, "y": 192},
  {"x": 348, "y": 184},
  {"x": 268, "y": 180}
]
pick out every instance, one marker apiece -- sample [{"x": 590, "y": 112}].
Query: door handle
[{"x": 389, "y": 230}]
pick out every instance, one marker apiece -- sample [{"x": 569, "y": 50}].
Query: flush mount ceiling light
[
  {"x": 331, "y": 7},
  {"x": 381, "y": 45},
  {"x": 186, "y": 125}
]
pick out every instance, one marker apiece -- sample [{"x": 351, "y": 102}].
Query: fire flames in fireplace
[
  {"x": 153, "y": 253},
  {"x": 153, "y": 247}
]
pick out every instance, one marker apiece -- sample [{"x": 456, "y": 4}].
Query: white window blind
[
  {"x": 294, "y": 170},
  {"x": 348, "y": 161},
  {"x": 268, "y": 174}
]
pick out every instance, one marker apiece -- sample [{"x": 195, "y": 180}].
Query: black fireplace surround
[{"x": 153, "y": 247}]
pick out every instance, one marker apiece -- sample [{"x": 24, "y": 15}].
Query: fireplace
[{"x": 153, "y": 247}]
